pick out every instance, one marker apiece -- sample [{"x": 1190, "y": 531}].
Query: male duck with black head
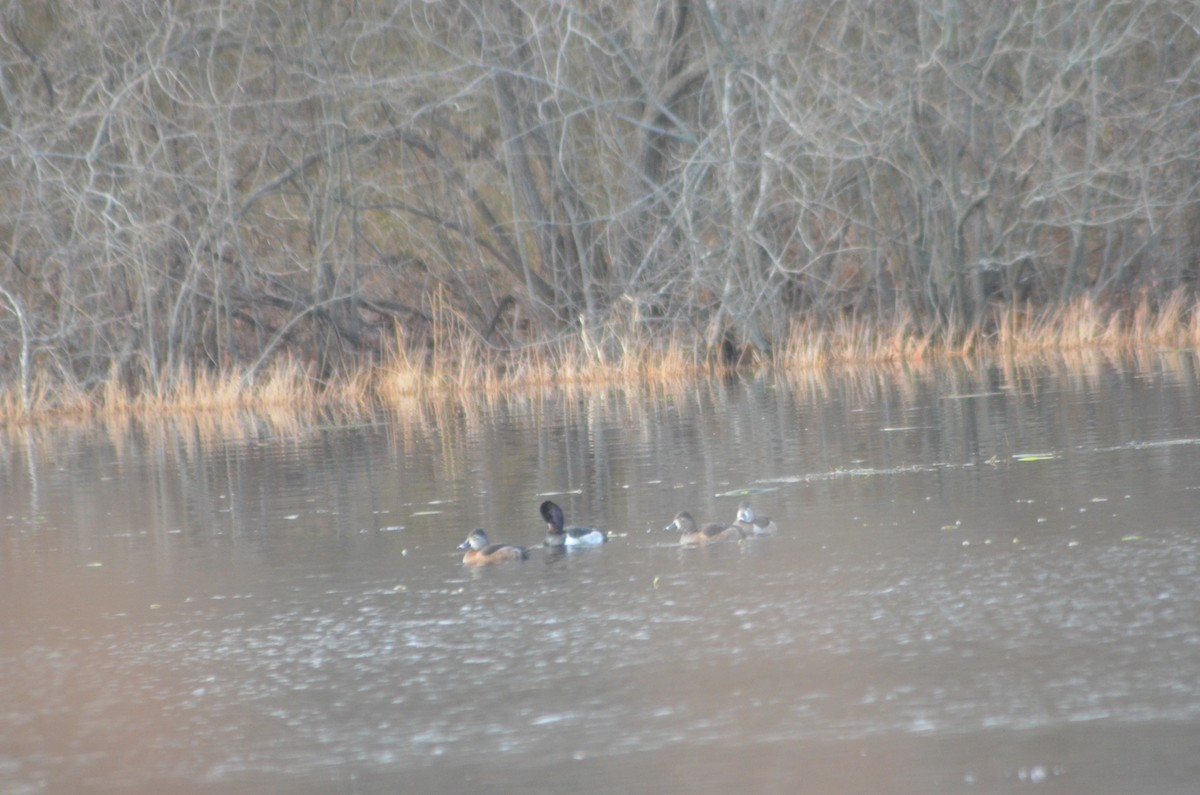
[
  {"x": 481, "y": 553},
  {"x": 751, "y": 523},
  {"x": 708, "y": 533},
  {"x": 558, "y": 536}
]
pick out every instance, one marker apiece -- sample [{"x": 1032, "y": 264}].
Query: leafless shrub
[{"x": 204, "y": 185}]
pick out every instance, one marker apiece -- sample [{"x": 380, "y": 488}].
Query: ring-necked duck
[
  {"x": 558, "y": 536},
  {"x": 481, "y": 553},
  {"x": 753, "y": 524},
  {"x": 708, "y": 533}
]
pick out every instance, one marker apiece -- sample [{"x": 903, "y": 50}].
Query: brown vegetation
[
  {"x": 467, "y": 374},
  {"x": 269, "y": 202}
]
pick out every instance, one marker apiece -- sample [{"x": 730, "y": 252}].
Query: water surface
[{"x": 984, "y": 582}]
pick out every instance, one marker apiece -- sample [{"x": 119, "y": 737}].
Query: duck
[
  {"x": 481, "y": 553},
  {"x": 708, "y": 533},
  {"x": 558, "y": 536},
  {"x": 753, "y": 524}
]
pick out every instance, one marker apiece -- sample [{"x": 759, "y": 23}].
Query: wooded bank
[{"x": 201, "y": 186}]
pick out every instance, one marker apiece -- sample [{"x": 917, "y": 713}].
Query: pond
[{"x": 984, "y": 580}]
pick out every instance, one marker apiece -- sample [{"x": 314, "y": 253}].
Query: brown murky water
[{"x": 983, "y": 582}]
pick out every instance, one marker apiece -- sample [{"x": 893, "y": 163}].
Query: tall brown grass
[
  {"x": 1084, "y": 324},
  {"x": 459, "y": 366}
]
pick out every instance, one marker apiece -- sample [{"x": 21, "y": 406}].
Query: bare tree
[{"x": 207, "y": 185}]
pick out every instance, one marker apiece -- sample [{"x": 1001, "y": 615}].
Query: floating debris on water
[
  {"x": 747, "y": 490},
  {"x": 1023, "y": 457}
]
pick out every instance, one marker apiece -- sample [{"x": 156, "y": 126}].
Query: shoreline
[{"x": 462, "y": 367}]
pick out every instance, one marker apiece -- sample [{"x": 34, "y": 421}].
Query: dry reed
[{"x": 457, "y": 365}]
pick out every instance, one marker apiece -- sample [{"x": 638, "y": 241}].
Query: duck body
[
  {"x": 559, "y": 536},
  {"x": 481, "y": 553},
  {"x": 753, "y": 524},
  {"x": 692, "y": 534}
]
